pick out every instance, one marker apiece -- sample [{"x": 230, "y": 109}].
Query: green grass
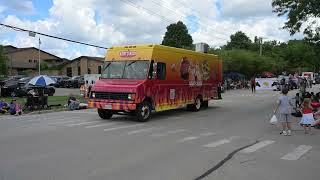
[{"x": 52, "y": 100}]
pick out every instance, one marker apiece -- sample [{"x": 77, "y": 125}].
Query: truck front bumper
[{"x": 111, "y": 105}]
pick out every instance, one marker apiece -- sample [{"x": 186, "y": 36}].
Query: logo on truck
[{"x": 127, "y": 53}]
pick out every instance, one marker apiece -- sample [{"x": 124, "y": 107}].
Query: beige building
[
  {"x": 83, "y": 65},
  {"x": 22, "y": 60}
]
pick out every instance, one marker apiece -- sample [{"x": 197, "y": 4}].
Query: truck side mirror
[{"x": 154, "y": 72}]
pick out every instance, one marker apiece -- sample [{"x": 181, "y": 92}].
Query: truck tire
[
  {"x": 143, "y": 111},
  {"x": 196, "y": 106},
  {"x": 105, "y": 114}
]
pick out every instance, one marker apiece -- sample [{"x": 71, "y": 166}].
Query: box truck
[{"x": 142, "y": 79}]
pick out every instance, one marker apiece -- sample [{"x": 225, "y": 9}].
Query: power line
[
  {"x": 51, "y": 36},
  {"x": 194, "y": 21},
  {"x": 147, "y": 10},
  {"x": 163, "y": 17}
]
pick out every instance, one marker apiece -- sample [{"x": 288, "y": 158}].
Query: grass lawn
[{"x": 52, "y": 100}]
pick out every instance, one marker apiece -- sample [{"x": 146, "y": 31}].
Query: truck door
[{"x": 160, "y": 90}]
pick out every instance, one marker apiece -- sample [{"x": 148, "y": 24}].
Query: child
[
  {"x": 307, "y": 119},
  {"x": 284, "y": 106},
  {"x": 18, "y": 108}
]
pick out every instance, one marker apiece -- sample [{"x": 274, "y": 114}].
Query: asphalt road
[{"x": 174, "y": 145}]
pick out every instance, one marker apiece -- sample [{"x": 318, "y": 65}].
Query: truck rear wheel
[
  {"x": 196, "y": 106},
  {"x": 105, "y": 114},
  {"x": 143, "y": 111}
]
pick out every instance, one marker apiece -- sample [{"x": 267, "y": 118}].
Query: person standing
[
  {"x": 253, "y": 85},
  {"x": 284, "y": 106},
  {"x": 307, "y": 119}
]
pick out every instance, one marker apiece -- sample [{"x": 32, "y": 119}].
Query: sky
[{"x": 122, "y": 22}]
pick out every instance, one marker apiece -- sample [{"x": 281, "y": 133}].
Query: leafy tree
[
  {"x": 239, "y": 40},
  {"x": 177, "y": 36},
  {"x": 300, "y": 12},
  {"x": 3, "y": 62}
]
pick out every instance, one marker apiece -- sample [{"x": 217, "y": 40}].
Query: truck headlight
[
  {"x": 93, "y": 95},
  {"x": 131, "y": 96}
]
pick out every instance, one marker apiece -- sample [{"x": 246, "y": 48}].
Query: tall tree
[
  {"x": 300, "y": 13},
  {"x": 177, "y": 36},
  {"x": 239, "y": 40},
  {"x": 3, "y": 62}
]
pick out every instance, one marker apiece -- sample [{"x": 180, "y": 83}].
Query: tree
[
  {"x": 3, "y": 62},
  {"x": 300, "y": 12},
  {"x": 177, "y": 36},
  {"x": 239, "y": 40}
]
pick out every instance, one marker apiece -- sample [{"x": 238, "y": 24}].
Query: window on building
[
  {"x": 89, "y": 71},
  {"x": 79, "y": 71},
  {"x": 69, "y": 71},
  {"x": 30, "y": 60},
  {"x": 35, "y": 61},
  {"x": 161, "y": 71},
  {"x": 99, "y": 69}
]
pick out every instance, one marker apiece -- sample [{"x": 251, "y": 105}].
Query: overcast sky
[{"x": 119, "y": 22}]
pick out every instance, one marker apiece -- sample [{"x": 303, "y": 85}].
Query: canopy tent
[{"x": 268, "y": 74}]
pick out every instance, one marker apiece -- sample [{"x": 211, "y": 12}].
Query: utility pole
[
  {"x": 39, "y": 57},
  {"x": 260, "y": 41}
]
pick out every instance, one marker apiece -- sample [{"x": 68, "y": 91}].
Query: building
[
  {"x": 26, "y": 60},
  {"x": 83, "y": 65}
]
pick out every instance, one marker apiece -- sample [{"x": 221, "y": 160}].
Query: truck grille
[{"x": 112, "y": 95}]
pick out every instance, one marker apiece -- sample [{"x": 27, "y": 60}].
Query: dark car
[
  {"x": 63, "y": 82},
  {"x": 60, "y": 81},
  {"x": 23, "y": 89},
  {"x": 75, "y": 82},
  {"x": 10, "y": 85}
]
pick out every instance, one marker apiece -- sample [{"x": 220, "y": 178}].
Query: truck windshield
[{"x": 126, "y": 69}]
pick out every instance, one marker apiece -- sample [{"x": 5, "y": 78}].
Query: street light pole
[
  {"x": 260, "y": 40},
  {"x": 39, "y": 58}
]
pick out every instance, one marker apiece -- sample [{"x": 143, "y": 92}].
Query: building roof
[
  {"x": 28, "y": 48},
  {"x": 9, "y": 48},
  {"x": 101, "y": 59}
]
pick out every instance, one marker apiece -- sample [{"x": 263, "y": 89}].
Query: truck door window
[{"x": 161, "y": 71}]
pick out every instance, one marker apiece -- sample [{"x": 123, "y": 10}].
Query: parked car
[
  {"x": 9, "y": 85},
  {"x": 60, "y": 81},
  {"x": 75, "y": 82},
  {"x": 23, "y": 89}
]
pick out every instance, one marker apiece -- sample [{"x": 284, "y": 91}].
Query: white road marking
[
  {"x": 190, "y": 138},
  {"x": 144, "y": 130},
  {"x": 220, "y": 142},
  {"x": 123, "y": 127},
  {"x": 100, "y": 125},
  {"x": 168, "y": 133},
  {"x": 62, "y": 122},
  {"x": 257, "y": 146},
  {"x": 207, "y": 134},
  {"x": 217, "y": 143},
  {"x": 83, "y": 123},
  {"x": 297, "y": 153}
]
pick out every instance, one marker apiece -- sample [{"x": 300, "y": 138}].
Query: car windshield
[
  {"x": 126, "y": 69},
  {"x": 75, "y": 77}
]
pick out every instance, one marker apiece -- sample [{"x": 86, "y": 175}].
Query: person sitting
[
  {"x": 3, "y": 107},
  {"x": 18, "y": 108},
  {"x": 12, "y": 108},
  {"x": 73, "y": 103}
]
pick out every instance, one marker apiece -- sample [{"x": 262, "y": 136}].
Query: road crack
[{"x": 222, "y": 162}]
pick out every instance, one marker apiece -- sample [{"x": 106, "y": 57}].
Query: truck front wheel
[
  {"x": 105, "y": 114},
  {"x": 143, "y": 111}
]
